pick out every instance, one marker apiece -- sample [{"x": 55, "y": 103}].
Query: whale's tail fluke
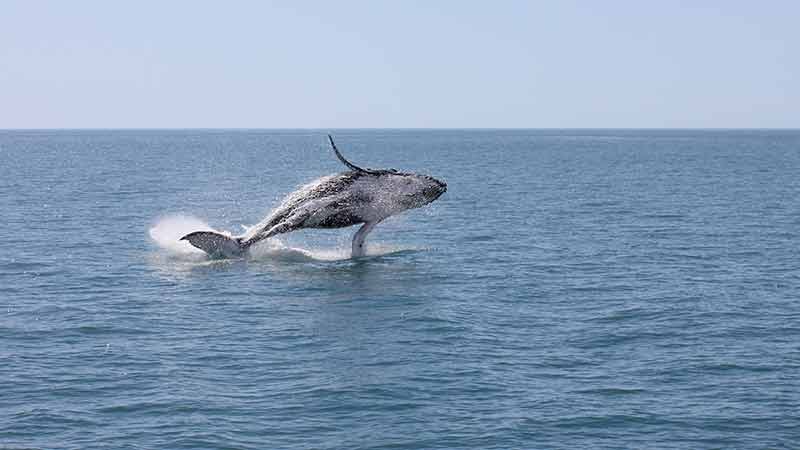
[{"x": 216, "y": 245}]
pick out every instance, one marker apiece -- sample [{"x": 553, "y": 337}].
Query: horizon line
[{"x": 401, "y": 128}]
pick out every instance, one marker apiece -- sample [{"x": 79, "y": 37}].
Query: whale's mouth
[
  {"x": 434, "y": 195},
  {"x": 435, "y": 191}
]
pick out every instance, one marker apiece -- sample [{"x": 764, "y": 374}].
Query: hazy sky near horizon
[{"x": 362, "y": 64}]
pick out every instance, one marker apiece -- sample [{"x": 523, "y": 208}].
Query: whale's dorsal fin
[{"x": 347, "y": 163}]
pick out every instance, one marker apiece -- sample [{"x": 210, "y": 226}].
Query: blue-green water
[{"x": 572, "y": 289}]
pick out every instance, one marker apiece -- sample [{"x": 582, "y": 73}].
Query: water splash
[{"x": 166, "y": 233}]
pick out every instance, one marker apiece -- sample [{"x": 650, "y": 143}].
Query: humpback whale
[{"x": 356, "y": 196}]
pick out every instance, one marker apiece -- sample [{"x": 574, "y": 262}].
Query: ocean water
[{"x": 572, "y": 289}]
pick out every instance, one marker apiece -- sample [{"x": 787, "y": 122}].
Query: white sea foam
[{"x": 275, "y": 249}]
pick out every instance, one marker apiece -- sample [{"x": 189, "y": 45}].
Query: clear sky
[{"x": 429, "y": 64}]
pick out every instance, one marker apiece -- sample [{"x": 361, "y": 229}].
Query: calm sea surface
[{"x": 572, "y": 289}]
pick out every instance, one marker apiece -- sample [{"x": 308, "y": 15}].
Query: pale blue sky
[{"x": 309, "y": 64}]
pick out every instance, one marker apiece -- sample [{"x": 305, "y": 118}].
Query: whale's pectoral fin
[
  {"x": 359, "y": 249},
  {"x": 215, "y": 244}
]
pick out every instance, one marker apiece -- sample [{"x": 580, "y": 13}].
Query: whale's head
[
  {"x": 397, "y": 191},
  {"x": 431, "y": 188},
  {"x": 411, "y": 190}
]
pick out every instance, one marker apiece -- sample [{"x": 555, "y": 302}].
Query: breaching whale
[{"x": 357, "y": 196}]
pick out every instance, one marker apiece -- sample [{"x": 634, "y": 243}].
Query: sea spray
[{"x": 168, "y": 231}]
